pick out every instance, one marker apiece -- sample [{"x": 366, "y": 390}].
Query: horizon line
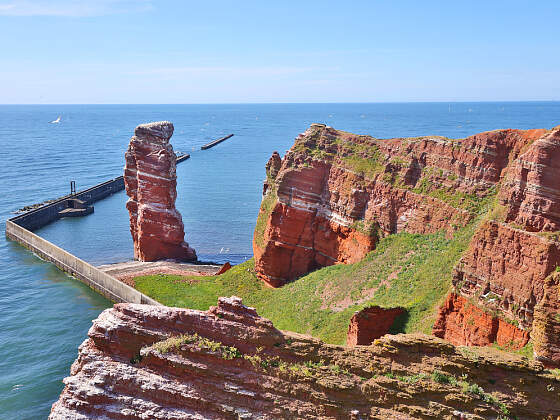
[{"x": 282, "y": 103}]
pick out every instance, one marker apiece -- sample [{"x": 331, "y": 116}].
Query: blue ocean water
[{"x": 45, "y": 315}]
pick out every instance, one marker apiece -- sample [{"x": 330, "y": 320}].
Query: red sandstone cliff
[
  {"x": 371, "y": 323},
  {"x": 503, "y": 272},
  {"x": 150, "y": 181},
  {"x": 508, "y": 275},
  {"x": 334, "y": 193},
  {"x": 228, "y": 363}
]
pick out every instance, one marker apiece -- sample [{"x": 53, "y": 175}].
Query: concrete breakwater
[
  {"x": 215, "y": 142},
  {"x": 103, "y": 283},
  {"x": 48, "y": 213},
  {"x": 19, "y": 228}
]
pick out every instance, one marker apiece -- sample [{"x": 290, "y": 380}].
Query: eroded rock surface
[
  {"x": 371, "y": 323},
  {"x": 150, "y": 180},
  {"x": 462, "y": 322},
  {"x": 532, "y": 188},
  {"x": 228, "y": 363},
  {"x": 504, "y": 292},
  {"x": 335, "y": 193}
]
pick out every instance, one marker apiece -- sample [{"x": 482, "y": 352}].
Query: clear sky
[{"x": 205, "y": 51}]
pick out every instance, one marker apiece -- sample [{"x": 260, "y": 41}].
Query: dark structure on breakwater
[
  {"x": 63, "y": 207},
  {"x": 19, "y": 228},
  {"x": 215, "y": 142},
  {"x": 72, "y": 205}
]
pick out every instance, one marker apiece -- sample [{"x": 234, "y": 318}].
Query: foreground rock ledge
[
  {"x": 150, "y": 180},
  {"x": 228, "y": 363}
]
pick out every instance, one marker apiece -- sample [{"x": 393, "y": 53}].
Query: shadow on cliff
[{"x": 399, "y": 323}]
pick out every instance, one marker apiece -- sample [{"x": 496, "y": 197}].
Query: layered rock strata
[
  {"x": 334, "y": 193},
  {"x": 532, "y": 189},
  {"x": 507, "y": 276},
  {"x": 546, "y": 323},
  {"x": 462, "y": 322},
  {"x": 150, "y": 180},
  {"x": 228, "y": 363}
]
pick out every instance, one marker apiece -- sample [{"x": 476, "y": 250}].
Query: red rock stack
[{"x": 150, "y": 181}]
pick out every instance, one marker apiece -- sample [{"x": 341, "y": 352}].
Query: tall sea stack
[{"x": 150, "y": 180}]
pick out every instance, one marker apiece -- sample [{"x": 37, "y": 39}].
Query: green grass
[
  {"x": 368, "y": 167},
  {"x": 174, "y": 343},
  {"x": 267, "y": 205},
  {"x": 412, "y": 271},
  {"x": 525, "y": 351}
]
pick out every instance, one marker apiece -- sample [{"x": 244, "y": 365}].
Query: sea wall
[
  {"x": 103, "y": 283},
  {"x": 46, "y": 214}
]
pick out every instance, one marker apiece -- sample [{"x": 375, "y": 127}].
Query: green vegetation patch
[
  {"x": 430, "y": 184},
  {"x": 363, "y": 158},
  {"x": 462, "y": 382},
  {"x": 173, "y": 344},
  {"x": 267, "y": 205},
  {"x": 458, "y": 199},
  {"x": 406, "y": 270},
  {"x": 259, "y": 360},
  {"x": 369, "y": 228},
  {"x": 525, "y": 351}
]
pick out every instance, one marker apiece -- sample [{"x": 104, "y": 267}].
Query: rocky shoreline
[{"x": 228, "y": 363}]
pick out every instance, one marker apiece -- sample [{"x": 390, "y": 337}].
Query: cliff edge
[{"x": 228, "y": 363}]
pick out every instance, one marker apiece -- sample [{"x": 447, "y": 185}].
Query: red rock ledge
[{"x": 143, "y": 362}]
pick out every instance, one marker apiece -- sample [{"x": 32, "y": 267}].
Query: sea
[{"x": 45, "y": 314}]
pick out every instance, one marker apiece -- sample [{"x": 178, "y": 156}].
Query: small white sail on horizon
[{"x": 56, "y": 121}]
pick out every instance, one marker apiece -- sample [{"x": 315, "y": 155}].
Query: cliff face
[
  {"x": 150, "y": 181},
  {"x": 228, "y": 363},
  {"x": 532, "y": 189},
  {"x": 508, "y": 273},
  {"x": 334, "y": 193},
  {"x": 546, "y": 323},
  {"x": 462, "y": 322}
]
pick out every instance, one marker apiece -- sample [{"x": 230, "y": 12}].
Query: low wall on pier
[
  {"x": 103, "y": 283},
  {"x": 19, "y": 228},
  {"x": 48, "y": 213}
]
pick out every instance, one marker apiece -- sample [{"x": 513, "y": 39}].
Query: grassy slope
[{"x": 322, "y": 303}]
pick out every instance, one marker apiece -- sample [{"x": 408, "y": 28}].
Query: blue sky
[{"x": 150, "y": 51}]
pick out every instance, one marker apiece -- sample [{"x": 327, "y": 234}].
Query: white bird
[{"x": 56, "y": 121}]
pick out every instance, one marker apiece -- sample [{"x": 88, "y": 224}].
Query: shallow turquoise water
[{"x": 45, "y": 314}]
